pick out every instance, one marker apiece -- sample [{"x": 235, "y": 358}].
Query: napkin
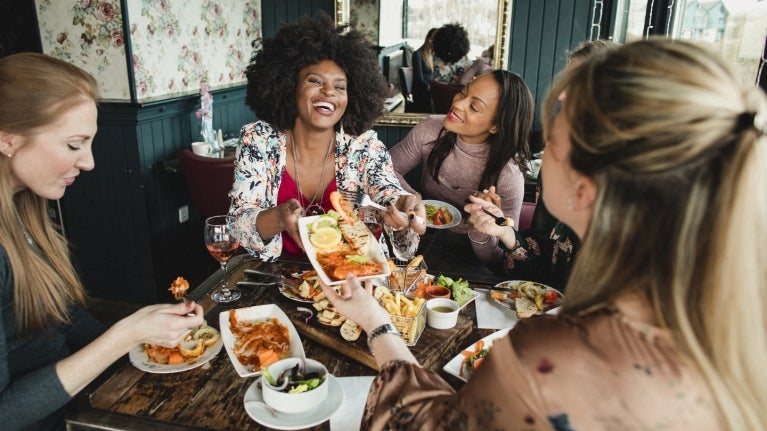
[
  {"x": 349, "y": 415},
  {"x": 491, "y": 315}
]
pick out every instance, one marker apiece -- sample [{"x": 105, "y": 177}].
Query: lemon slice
[
  {"x": 325, "y": 237},
  {"x": 324, "y": 221}
]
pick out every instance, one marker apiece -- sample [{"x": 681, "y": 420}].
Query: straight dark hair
[{"x": 514, "y": 121}]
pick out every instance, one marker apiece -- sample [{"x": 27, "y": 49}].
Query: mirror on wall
[{"x": 377, "y": 21}]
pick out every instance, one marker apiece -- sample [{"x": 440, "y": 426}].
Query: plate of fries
[
  {"x": 407, "y": 314},
  {"x": 139, "y": 356}
]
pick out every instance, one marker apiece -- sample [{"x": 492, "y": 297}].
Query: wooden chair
[
  {"x": 442, "y": 96},
  {"x": 209, "y": 180}
]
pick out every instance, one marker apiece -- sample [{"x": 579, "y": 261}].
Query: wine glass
[{"x": 222, "y": 243}]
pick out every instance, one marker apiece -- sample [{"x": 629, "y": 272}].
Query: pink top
[
  {"x": 462, "y": 167},
  {"x": 288, "y": 190}
]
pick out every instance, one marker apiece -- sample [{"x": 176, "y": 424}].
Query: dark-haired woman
[
  {"x": 451, "y": 45},
  {"x": 316, "y": 90},
  {"x": 481, "y": 144}
]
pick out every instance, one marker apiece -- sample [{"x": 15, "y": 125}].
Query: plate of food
[
  {"x": 201, "y": 345},
  {"x": 339, "y": 243},
  {"x": 464, "y": 363},
  {"x": 526, "y": 298},
  {"x": 258, "y": 336},
  {"x": 301, "y": 286},
  {"x": 441, "y": 215}
]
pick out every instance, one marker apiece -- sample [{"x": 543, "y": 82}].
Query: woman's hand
[
  {"x": 288, "y": 213},
  {"x": 491, "y": 196},
  {"x": 414, "y": 214},
  {"x": 482, "y": 221},
  {"x": 163, "y": 324},
  {"x": 357, "y": 303}
]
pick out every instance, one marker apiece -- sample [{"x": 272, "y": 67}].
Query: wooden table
[{"x": 211, "y": 396}]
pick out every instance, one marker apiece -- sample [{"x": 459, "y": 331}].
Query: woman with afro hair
[
  {"x": 451, "y": 45},
  {"x": 316, "y": 90}
]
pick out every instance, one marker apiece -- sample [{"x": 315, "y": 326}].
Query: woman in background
[
  {"x": 451, "y": 44},
  {"x": 50, "y": 348},
  {"x": 546, "y": 251},
  {"x": 481, "y": 144},
  {"x": 658, "y": 161},
  {"x": 423, "y": 73},
  {"x": 316, "y": 89}
]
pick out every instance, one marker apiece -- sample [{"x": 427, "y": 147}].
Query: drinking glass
[
  {"x": 369, "y": 216},
  {"x": 222, "y": 243}
]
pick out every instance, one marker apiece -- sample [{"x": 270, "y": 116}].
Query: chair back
[
  {"x": 406, "y": 79},
  {"x": 209, "y": 180},
  {"x": 526, "y": 215},
  {"x": 442, "y": 96}
]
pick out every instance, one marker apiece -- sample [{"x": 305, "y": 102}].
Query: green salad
[{"x": 459, "y": 288}]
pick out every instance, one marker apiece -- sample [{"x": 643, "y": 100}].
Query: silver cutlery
[
  {"x": 500, "y": 221},
  {"x": 246, "y": 283}
]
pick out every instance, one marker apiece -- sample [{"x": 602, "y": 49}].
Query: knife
[
  {"x": 246, "y": 283},
  {"x": 257, "y": 273}
]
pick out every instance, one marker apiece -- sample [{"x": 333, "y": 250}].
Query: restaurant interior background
[{"x": 150, "y": 57}]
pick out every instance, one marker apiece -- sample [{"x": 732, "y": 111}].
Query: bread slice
[
  {"x": 357, "y": 235},
  {"x": 525, "y": 307},
  {"x": 331, "y": 317},
  {"x": 350, "y": 331}
]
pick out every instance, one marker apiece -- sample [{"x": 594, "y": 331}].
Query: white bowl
[
  {"x": 294, "y": 403},
  {"x": 441, "y": 313}
]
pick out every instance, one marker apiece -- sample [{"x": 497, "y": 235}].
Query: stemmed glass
[{"x": 222, "y": 243}]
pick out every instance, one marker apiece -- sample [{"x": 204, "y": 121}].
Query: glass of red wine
[{"x": 222, "y": 243}]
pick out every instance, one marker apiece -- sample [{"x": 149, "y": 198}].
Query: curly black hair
[
  {"x": 273, "y": 72},
  {"x": 451, "y": 43}
]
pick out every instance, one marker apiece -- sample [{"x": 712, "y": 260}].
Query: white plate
[
  {"x": 509, "y": 302},
  {"x": 285, "y": 421},
  {"x": 257, "y": 312},
  {"x": 454, "y": 366},
  {"x": 453, "y": 211},
  {"x": 375, "y": 254},
  {"x": 287, "y": 289},
  {"x": 474, "y": 295},
  {"x": 139, "y": 360}
]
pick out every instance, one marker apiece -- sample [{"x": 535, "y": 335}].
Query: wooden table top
[{"x": 211, "y": 396}]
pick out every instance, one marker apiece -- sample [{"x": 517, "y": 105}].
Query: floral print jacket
[{"x": 362, "y": 163}]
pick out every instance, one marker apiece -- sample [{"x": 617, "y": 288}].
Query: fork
[
  {"x": 442, "y": 181},
  {"x": 363, "y": 200},
  {"x": 500, "y": 221}
]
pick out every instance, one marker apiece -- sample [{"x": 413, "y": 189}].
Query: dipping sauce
[{"x": 442, "y": 309}]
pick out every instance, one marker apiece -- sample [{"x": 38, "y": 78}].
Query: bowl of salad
[{"x": 294, "y": 385}]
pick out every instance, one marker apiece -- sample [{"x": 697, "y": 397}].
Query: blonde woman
[
  {"x": 50, "y": 348},
  {"x": 658, "y": 162}
]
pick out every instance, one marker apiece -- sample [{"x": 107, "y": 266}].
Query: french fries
[
  {"x": 402, "y": 277},
  {"x": 405, "y": 312}
]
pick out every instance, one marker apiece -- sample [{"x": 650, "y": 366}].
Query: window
[{"x": 736, "y": 29}]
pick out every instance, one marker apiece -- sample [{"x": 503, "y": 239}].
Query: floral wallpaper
[
  {"x": 175, "y": 45},
  {"x": 88, "y": 33}
]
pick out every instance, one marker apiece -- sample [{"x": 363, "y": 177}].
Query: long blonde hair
[
  {"x": 35, "y": 90},
  {"x": 676, "y": 146},
  {"x": 427, "y": 49}
]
